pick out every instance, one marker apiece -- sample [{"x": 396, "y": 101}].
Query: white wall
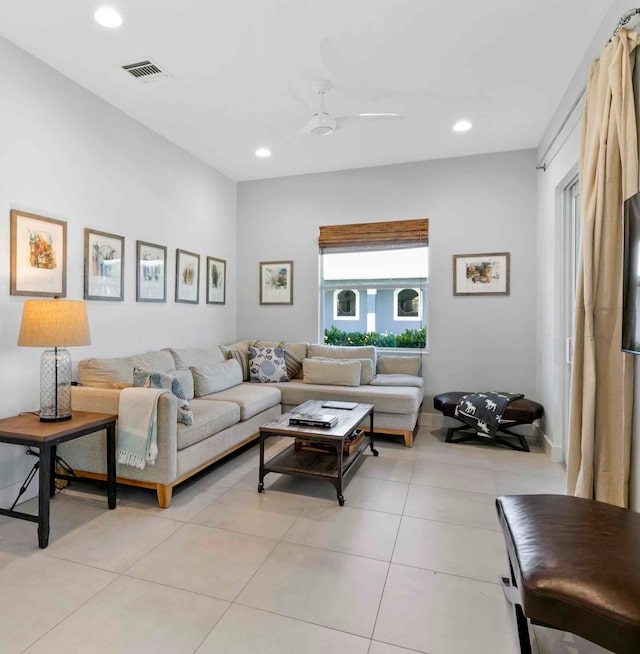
[
  {"x": 474, "y": 204},
  {"x": 66, "y": 154}
]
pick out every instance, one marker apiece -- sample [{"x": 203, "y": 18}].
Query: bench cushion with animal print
[
  {"x": 523, "y": 410},
  {"x": 483, "y": 411}
]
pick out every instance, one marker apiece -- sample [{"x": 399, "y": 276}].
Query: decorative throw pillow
[
  {"x": 216, "y": 377},
  {"x": 366, "y": 368},
  {"x": 266, "y": 365},
  {"x": 242, "y": 357},
  {"x": 390, "y": 365},
  {"x": 146, "y": 379},
  {"x": 338, "y": 372},
  {"x": 292, "y": 360}
]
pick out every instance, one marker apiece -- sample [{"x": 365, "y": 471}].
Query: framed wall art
[
  {"x": 103, "y": 266},
  {"x": 481, "y": 274},
  {"x": 38, "y": 255},
  {"x": 151, "y": 272},
  {"x": 276, "y": 282},
  {"x": 216, "y": 280},
  {"x": 187, "y": 277}
]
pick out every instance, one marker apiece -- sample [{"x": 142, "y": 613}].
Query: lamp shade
[{"x": 54, "y": 323}]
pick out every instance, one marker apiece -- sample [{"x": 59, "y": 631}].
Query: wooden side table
[{"x": 27, "y": 430}]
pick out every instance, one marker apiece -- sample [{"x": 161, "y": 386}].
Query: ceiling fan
[{"x": 322, "y": 123}]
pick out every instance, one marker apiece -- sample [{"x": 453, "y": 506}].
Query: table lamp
[{"x": 54, "y": 324}]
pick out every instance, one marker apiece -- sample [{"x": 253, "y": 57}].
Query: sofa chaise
[{"x": 227, "y": 409}]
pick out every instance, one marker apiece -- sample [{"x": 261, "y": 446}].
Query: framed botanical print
[
  {"x": 38, "y": 253},
  {"x": 151, "y": 272},
  {"x": 276, "y": 282},
  {"x": 216, "y": 280},
  {"x": 481, "y": 274},
  {"x": 103, "y": 266},
  {"x": 187, "y": 277}
]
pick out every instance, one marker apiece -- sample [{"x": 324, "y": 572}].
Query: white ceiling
[{"x": 243, "y": 72}]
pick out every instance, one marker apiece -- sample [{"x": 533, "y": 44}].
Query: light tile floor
[{"x": 411, "y": 563}]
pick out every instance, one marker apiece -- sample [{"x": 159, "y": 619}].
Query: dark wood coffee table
[{"x": 311, "y": 464}]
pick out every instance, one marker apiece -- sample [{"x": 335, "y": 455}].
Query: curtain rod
[{"x": 543, "y": 165}]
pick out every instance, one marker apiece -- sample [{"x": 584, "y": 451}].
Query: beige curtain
[{"x": 602, "y": 379}]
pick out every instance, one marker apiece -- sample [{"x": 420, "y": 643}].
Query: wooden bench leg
[
  {"x": 164, "y": 495},
  {"x": 408, "y": 438}
]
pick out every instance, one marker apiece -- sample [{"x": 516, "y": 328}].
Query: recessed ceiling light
[
  {"x": 462, "y": 126},
  {"x": 263, "y": 152},
  {"x": 108, "y": 17}
]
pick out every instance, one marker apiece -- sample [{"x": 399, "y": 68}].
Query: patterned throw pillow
[
  {"x": 146, "y": 379},
  {"x": 266, "y": 365},
  {"x": 292, "y": 361}
]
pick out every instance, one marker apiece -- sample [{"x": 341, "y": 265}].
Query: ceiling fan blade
[{"x": 364, "y": 118}]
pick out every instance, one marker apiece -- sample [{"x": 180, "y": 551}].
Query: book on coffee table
[
  {"x": 313, "y": 419},
  {"x": 335, "y": 404}
]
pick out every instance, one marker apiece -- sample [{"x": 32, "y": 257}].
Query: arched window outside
[
  {"x": 407, "y": 304},
  {"x": 346, "y": 304}
]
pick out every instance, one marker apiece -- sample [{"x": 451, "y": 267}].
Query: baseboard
[
  {"x": 431, "y": 420},
  {"x": 554, "y": 452}
]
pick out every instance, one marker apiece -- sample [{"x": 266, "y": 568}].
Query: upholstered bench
[
  {"x": 575, "y": 566},
  {"x": 518, "y": 412}
]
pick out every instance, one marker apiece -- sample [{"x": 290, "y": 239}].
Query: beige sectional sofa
[{"x": 230, "y": 416}]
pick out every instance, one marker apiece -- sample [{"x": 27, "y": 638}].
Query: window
[
  {"x": 407, "y": 304},
  {"x": 373, "y": 284},
  {"x": 346, "y": 304}
]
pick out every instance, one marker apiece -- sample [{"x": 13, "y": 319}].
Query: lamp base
[
  {"x": 54, "y": 418},
  {"x": 55, "y": 385}
]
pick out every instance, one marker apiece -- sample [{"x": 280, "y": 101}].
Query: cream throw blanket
[{"x": 138, "y": 427}]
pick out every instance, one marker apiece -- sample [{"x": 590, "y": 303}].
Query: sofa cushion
[
  {"x": 331, "y": 372},
  {"x": 104, "y": 373},
  {"x": 385, "y": 399},
  {"x": 251, "y": 398},
  {"x": 242, "y": 357},
  {"x": 216, "y": 377},
  {"x": 366, "y": 368},
  {"x": 208, "y": 418},
  {"x": 152, "y": 379},
  {"x": 388, "y": 365},
  {"x": 398, "y": 380},
  {"x": 266, "y": 365},
  {"x": 184, "y": 358},
  {"x": 343, "y": 352}
]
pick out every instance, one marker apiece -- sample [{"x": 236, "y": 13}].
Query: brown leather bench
[
  {"x": 575, "y": 566},
  {"x": 518, "y": 412}
]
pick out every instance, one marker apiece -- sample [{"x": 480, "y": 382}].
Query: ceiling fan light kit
[{"x": 322, "y": 124}]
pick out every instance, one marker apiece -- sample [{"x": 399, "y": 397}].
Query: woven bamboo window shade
[{"x": 374, "y": 236}]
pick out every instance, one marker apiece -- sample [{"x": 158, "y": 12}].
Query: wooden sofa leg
[
  {"x": 408, "y": 438},
  {"x": 164, "y": 495}
]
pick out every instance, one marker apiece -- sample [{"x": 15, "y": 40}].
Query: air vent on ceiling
[{"x": 146, "y": 71}]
